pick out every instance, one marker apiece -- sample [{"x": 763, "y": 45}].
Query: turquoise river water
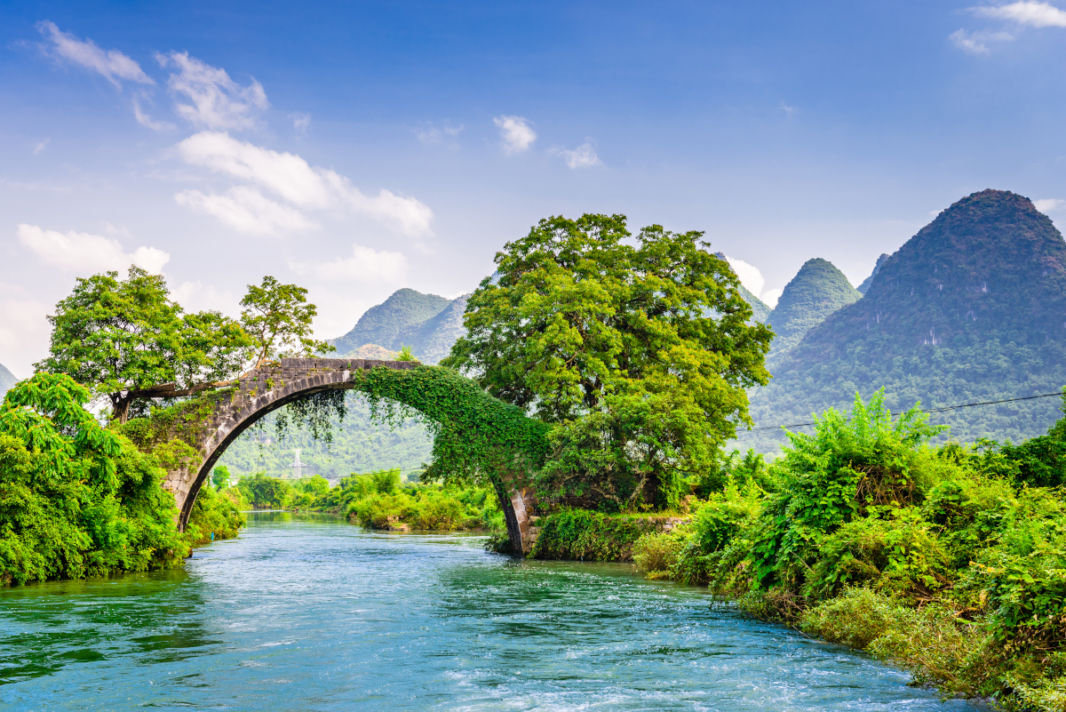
[{"x": 314, "y": 614}]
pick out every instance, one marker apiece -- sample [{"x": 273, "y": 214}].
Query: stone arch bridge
[{"x": 277, "y": 384}]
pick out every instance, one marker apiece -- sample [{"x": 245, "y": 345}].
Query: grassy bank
[
  {"x": 948, "y": 561},
  {"x": 378, "y": 500}
]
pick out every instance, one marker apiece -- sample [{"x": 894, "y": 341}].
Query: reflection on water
[{"x": 308, "y": 613}]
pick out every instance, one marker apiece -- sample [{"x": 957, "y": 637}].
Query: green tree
[
  {"x": 76, "y": 499},
  {"x": 220, "y": 477},
  {"x": 278, "y": 318},
  {"x": 637, "y": 349},
  {"x": 128, "y": 341}
]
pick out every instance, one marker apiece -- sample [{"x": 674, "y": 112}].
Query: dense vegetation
[
  {"x": 80, "y": 500},
  {"x": 969, "y": 309},
  {"x": 817, "y": 290},
  {"x": 947, "y": 560},
  {"x": 358, "y": 444},
  {"x": 379, "y": 500},
  {"x": 635, "y": 349}
]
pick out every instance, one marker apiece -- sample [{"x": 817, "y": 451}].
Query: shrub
[
  {"x": 655, "y": 553},
  {"x": 581, "y": 535}
]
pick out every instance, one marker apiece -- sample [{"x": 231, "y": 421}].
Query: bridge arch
[{"x": 221, "y": 419}]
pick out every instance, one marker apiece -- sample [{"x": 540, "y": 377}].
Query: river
[{"x": 304, "y": 613}]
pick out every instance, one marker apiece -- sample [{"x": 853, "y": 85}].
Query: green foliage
[
  {"x": 941, "y": 560},
  {"x": 405, "y": 354},
  {"x": 582, "y": 535},
  {"x": 477, "y": 438},
  {"x": 638, "y": 355},
  {"x": 264, "y": 492},
  {"x": 123, "y": 338},
  {"x": 278, "y": 319},
  {"x": 220, "y": 477},
  {"x": 214, "y": 516},
  {"x": 76, "y": 500},
  {"x": 357, "y": 443},
  {"x": 655, "y": 554}
]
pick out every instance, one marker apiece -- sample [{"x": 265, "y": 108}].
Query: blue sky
[{"x": 360, "y": 147}]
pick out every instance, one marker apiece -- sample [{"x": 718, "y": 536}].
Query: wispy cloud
[
  {"x": 246, "y": 210},
  {"x": 516, "y": 133},
  {"x": 112, "y": 65},
  {"x": 40, "y": 146},
  {"x": 300, "y": 123},
  {"x": 365, "y": 264},
  {"x": 1025, "y": 12},
  {"x": 1021, "y": 14},
  {"x": 85, "y": 253},
  {"x": 1049, "y": 205},
  {"x": 206, "y": 96},
  {"x": 147, "y": 121},
  {"x": 977, "y": 42},
  {"x": 584, "y": 156},
  {"x": 294, "y": 180},
  {"x": 432, "y": 134}
]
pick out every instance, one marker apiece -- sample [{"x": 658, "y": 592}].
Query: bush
[
  {"x": 855, "y": 618},
  {"x": 581, "y": 535},
  {"x": 213, "y": 516},
  {"x": 655, "y": 554}
]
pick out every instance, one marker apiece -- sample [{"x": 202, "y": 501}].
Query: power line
[{"x": 929, "y": 411}]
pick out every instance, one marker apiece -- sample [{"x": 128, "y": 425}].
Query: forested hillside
[
  {"x": 426, "y": 323},
  {"x": 817, "y": 290},
  {"x": 969, "y": 309}
]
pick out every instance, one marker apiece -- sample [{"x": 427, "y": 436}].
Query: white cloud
[
  {"x": 290, "y": 177},
  {"x": 749, "y": 275},
  {"x": 584, "y": 156},
  {"x": 40, "y": 146},
  {"x": 431, "y": 134},
  {"x": 788, "y": 109},
  {"x": 197, "y": 296},
  {"x": 301, "y": 122},
  {"x": 1048, "y": 205},
  {"x": 24, "y": 333},
  {"x": 212, "y": 99},
  {"x": 85, "y": 253},
  {"x": 977, "y": 42},
  {"x": 364, "y": 265},
  {"x": 770, "y": 297},
  {"x": 110, "y": 64},
  {"x": 1025, "y": 12},
  {"x": 516, "y": 133},
  {"x": 147, "y": 121},
  {"x": 246, "y": 210}
]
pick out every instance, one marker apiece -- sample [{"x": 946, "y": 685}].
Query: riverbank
[{"x": 946, "y": 561}]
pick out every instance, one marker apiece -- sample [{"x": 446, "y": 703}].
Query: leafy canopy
[
  {"x": 123, "y": 337},
  {"x": 126, "y": 339},
  {"x": 278, "y": 319},
  {"x": 637, "y": 349}
]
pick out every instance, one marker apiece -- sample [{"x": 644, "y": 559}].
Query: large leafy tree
[
  {"x": 127, "y": 340},
  {"x": 278, "y": 318},
  {"x": 637, "y": 349}
]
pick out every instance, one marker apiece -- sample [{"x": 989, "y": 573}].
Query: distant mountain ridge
[
  {"x": 972, "y": 308},
  {"x": 817, "y": 290},
  {"x": 427, "y": 323}
]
